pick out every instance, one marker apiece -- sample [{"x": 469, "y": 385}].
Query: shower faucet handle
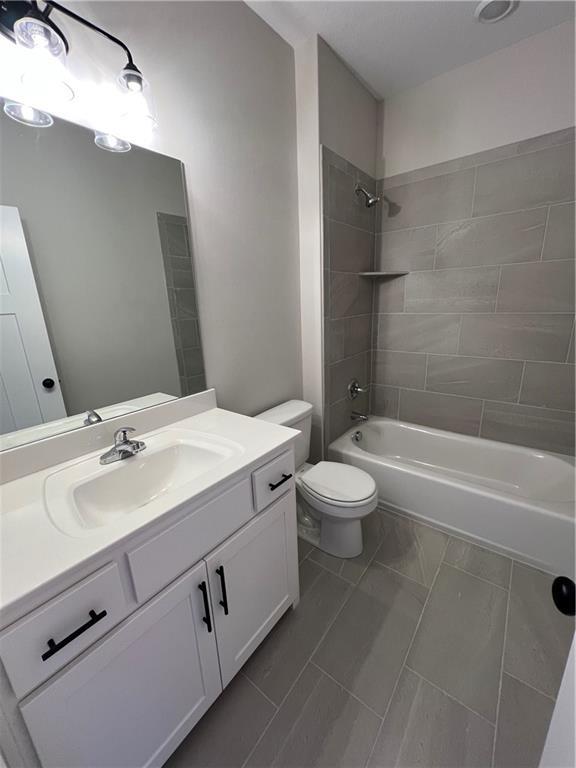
[{"x": 354, "y": 389}]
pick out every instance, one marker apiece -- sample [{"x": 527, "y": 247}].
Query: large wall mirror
[{"x": 98, "y": 304}]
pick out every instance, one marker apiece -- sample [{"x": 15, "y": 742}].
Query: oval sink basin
[{"x": 87, "y": 495}]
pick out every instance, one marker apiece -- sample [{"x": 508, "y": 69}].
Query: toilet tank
[{"x": 295, "y": 414}]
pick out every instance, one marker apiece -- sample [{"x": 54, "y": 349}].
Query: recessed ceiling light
[{"x": 489, "y": 11}]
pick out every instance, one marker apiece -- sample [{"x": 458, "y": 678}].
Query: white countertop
[{"x": 34, "y": 551}]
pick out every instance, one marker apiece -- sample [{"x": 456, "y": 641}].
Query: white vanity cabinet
[
  {"x": 128, "y": 696},
  {"x": 130, "y": 699},
  {"x": 249, "y": 584}
]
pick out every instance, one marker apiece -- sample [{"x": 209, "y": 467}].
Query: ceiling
[{"x": 397, "y": 44}]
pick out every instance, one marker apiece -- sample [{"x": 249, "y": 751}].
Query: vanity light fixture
[
  {"x": 23, "y": 113},
  {"x": 25, "y": 24},
  {"x": 111, "y": 143}
]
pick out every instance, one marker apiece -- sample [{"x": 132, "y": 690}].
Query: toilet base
[{"x": 341, "y": 538}]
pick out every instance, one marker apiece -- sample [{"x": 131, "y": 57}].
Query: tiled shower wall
[
  {"x": 349, "y": 229},
  {"x": 479, "y": 337},
  {"x": 179, "y": 272}
]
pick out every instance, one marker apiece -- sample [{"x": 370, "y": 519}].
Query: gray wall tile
[
  {"x": 456, "y": 414},
  {"x": 407, "y": 249},
  {"x": 552, "y": 139},
  {"x": 419, "y": 333},
  {"x": 526, "y": 181},
  {"x": 384, "y": 401},
  {"x": 474, "y": 376},
  {"x": 389, "y": 294},
  {"x": 342, "y": 373},
  {"x": 344, "y": 205},
  {"x": 452, "y": 290},
  {"x": 443, "y": 198},
  {"x": 559, "y": 241},
  {"x": 523, "y": 722},
  {"x": 545, "y": 286},
  {"x": 549, "y": 384},
  {"x": 349, "y": 295},
  {"x": 543, "y": 428},
  {"x": 400, "y": 369},
  {"x": 348, "y": 336},
  {"x": 351, "y": 249},
  {"x": 570, "y": 355},
  {"x": 517, "y": 336},
  {"x": 339, "y": 415},
  {"x": 499, "y": 239}
]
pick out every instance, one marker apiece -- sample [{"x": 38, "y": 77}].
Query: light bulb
[
  {"x": 35, "y": 33},
  {"x": 111, "y": 143},
  {"x": 27, "y": 115}
]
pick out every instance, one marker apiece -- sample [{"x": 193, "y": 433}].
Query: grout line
[
  {"x": 498, "y": 290},
  {"x": 451, "y": 696},
  {"x": 435, "y": 250},
  {"x": 528, "y": 685},
  {"x": 545, "y": 234},
  {"x": 570, "y": 342},
  {"x": 474, "y": 576},
  {"x": 473, "y": 191},
  {"x": 479, "y": 357},
  {"x": 426, "y": 372},
  {"x": 350, "y": 693},
  {"x": 462, "y": 267},
  {"x": 403, "y": 665},
  {"x": 403, "y": 575},
  {"x": 481, "y": 425},
  {"x": 522, "y": 383},
  {"x": 268, "y": 699},
  {"x": 504, "y": 641}
]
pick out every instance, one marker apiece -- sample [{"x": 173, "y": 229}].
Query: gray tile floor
[{"x": 424, "y": 651}]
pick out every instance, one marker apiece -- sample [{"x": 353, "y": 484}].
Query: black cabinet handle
[
  {"x": 206, "y": 618},
  {"x": 54, "y": 647},
  {"x": 224, "y": 601},
  {"x": 273, "y": 486}
]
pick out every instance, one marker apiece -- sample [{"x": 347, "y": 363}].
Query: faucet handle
[
  {"x": 121, "y": 435},
  {"x": 354, "y": 389}
]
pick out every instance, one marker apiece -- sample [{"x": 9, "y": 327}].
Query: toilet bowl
[{"x": 337, "y": 496}]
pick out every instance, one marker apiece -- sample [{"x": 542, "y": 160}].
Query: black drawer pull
[
  {"x": 224, "y": 601},
  {"x": 206, "y": 618},
  {"x": 54, "y": 647},
  {"x": 273, "y": 486}
]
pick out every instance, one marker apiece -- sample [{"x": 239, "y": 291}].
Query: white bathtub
[{"x": 513, "y": 498}]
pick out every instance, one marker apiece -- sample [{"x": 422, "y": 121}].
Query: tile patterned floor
[{"x": 424, "y": 651}]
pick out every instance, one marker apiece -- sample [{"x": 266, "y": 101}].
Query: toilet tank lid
[{"x": 287, "y": 413}]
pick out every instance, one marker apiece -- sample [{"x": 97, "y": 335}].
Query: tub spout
[{"x": 355, "y": 416}]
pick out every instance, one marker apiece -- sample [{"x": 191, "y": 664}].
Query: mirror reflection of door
[{"x": 29, "y": 388}]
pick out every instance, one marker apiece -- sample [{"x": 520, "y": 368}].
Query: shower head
[{"x": 370, "y": 200}]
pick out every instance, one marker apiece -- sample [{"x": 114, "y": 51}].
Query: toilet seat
[
  {"x": 338, "y": 484},
  {"x": 337, "y": 480}
]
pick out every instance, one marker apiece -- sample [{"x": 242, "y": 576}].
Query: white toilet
[{"x": 332, "y": 498}]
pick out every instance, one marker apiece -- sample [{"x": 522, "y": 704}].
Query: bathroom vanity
[{"x": 132, "y": 593}]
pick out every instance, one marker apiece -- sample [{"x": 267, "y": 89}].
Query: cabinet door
[
  {"x": 133, "y": 697},
  {"x": 249, "y": 585}
]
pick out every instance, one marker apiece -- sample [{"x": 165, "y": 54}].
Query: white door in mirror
[{"x": 29, "y": 389}]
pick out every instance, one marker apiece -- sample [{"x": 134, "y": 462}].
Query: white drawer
[
  {"x": 273, "y": 480},
  {"x": 41, "y": 643},
  {"x": 160, "y": 560}
]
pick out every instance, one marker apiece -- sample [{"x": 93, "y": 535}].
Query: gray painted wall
[
  {"x": 223, "y": 87},
  {"x": 348, "y": 112},
  {"x": 90, "y": 219}
]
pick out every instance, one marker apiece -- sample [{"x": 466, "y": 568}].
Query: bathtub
[{"x": 516, "y": 499}]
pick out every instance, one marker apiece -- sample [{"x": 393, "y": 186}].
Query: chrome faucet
[
  {"x": 92, "y": 417},
  {"x": 355, "y": 416},
  {"x": 123, "y": 448}
]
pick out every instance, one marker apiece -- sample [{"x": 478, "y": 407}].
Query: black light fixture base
[
  {"x": 10, "y": 12},
  {"x": 563, "y": 594}
]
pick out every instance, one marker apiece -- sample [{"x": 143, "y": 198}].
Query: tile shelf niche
[{"x": 376, "y": 275}]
